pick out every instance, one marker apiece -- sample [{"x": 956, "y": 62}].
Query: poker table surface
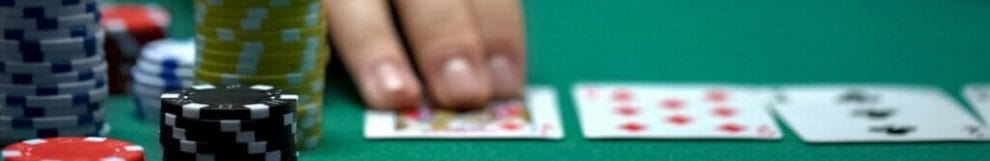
[{"x": 942, "y": 43}]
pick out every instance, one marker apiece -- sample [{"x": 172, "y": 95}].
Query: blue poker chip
[
  {"x": 52, "y": 49},
  {"x": 61, "y": 33},
  {"x": 52, "y": 67},
  {"x": 50, "y": 23},
  {"x": 41, "y": 3},
  {"x": 64, "y": 77},
  {"x": 53, "y": 11},
  {"x": 159, "y": 82},
  {"x": 49, "y": 111},
  {"x": 64, "y": 100},
  {"x": 52, "y": 122},
  {"x": 93, "y": 129},
  {"x": 54, "y": 89}
]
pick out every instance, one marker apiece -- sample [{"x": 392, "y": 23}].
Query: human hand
[{"x": 465, "y": 51}]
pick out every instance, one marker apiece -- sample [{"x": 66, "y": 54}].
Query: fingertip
[
  {"x": 508, "y": 77},
  {"x": 460, "y": 83},
  {"x": 387, "y": 85}
]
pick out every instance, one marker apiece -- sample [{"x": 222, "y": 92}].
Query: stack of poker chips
[
  {"x": 228, "y": 123},
  {"x": 275, "y": 42},
  {"x": 52, "y": 71},
  {"x": 129, "y": 27},
  {"x": 73, "y": 148},
  {"x": 164, "y": 65}
]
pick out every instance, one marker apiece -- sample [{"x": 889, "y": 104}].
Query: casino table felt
[{"x": 939, "y": 43}]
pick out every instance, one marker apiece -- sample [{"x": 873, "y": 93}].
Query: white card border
[
  {"x": 380, "y": 124},
  {"x": 761, "y": 91},
  {"x": 803, "y": 137}
]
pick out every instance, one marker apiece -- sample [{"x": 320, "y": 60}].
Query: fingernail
[
  {"x": 389, "y": 80},
  {"x": 506, "y": 82},
  {"x": 462, "y": 82},
  {"x": 387, "y": 87}
]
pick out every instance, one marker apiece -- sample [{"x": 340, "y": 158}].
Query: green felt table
[{"x": 943, "y": 43}]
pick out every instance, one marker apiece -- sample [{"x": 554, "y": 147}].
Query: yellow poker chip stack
[{"x": 273, "y": 42}]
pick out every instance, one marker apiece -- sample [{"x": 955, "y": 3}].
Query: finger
[
  {"x": 363, "y": 32},
  {"x": 500, "y": 24},
  {"x": 448, "y": 51}
]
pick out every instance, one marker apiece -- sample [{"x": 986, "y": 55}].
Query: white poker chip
[
  {"x": 159, "y": 82},
  {"x": 64, "y": 77},
  {"x": 42, "y": 3},
  {"x": 170, "y": 52},
  {"x": 52, "y": 11},
  {"x": 160, "y": 71},
  {"x": 64, "y": 100},
  {"x": 48, "y": 24},
  {"x": 54, "y": 89},
  {"x": 52, "y": 67}
]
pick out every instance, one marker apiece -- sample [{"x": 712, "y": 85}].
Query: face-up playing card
[
  {"x": 978, "y": 97},
  {"x": 841, "y": 114},
  {"x": 674, "y": 111},
  {"x": 535, "y": 117}
]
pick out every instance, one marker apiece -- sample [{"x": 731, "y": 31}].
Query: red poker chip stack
[
  {"x": 129, "y": 28},
  {"x": 73, "y": 149}
]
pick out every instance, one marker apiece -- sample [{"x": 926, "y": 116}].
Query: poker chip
[
  {"x": 254, "y": 3},
  {"x": 232, "y": 101},
  {"x": 35, "y": 3},
  {"x": 49, "y": 11},
  {"x": 59, "y": 78},
  {"x": 53, "y": 49},
  {"x": 8, "y": 122},
  {"x": 164, "y": 72},
  {"x": 51, "y": 67},
  {"x": 204, "y": 10},
  {"x": 164, "y": 65},
  {"x": 53, "y": 75},
  {"x": 131, "y": 28},
  {"x": 273, "y": 42},
  {"x": 94, "y": 129},
  {"x": 51, "y": 23},
  {"x": 30, "y": 112},
  {"x": 73, "y": 99},
  {"x": 232, "y": 122},
  {"x": 227, "y": 125},
  {"x": 61, "y": 33},
  {"x": 236, "y": 136},
  {"x": 268, "y": 156},
  {"x": 73, "y": 148},
  {"x": 260, "y": 147},
  {"x": 53, "y": 89}
]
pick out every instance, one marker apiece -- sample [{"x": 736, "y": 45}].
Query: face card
[
  {"x": 535, "y": 117},
  {"x": 658, "y": 111},
  {"x": 978, "y": 97},
  {"x": 859, "y": 113}
]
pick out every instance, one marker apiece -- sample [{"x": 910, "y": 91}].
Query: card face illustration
[
  {"x": 534, "y": 117},
  {"x": 671, "y": 111},
  {"x": 875, "y": 113}
]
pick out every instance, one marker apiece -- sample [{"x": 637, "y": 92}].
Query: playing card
[
  {"x": 874, "y": 113},
  {"x": 674, "y": 111},
  {"x": 535, "y": 117},
  {"x": 978, "y": 97}
]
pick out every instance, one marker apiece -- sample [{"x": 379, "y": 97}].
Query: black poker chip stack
[{"x": 229, "y": 123}]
